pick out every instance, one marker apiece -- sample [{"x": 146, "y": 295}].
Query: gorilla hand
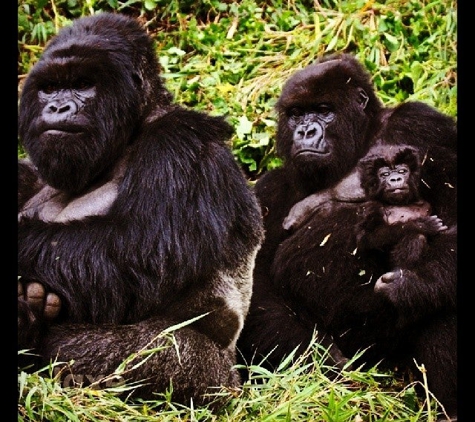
[
  {"x": 390, "y": 283},
  {"x": 45, "y": 305},
  {"x": 321, "y": 202},
  {"x": 35, "y": 307}
]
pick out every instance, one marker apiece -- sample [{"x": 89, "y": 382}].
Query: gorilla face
[
  {"x": 324, "y": 119},
  {"x": 391, "y": 174},
  {"x": 81, "y": 103},
  {"x": 309, "y": 131}
]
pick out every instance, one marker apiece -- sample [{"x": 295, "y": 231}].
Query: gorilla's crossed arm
[
  {"x": 347, "y": 191},
  {"x": 139, "y": 214}
]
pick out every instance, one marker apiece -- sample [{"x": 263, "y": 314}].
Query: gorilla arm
[
  {"x": 347, "y": 191},
  {"x": 428, "y": 288}
]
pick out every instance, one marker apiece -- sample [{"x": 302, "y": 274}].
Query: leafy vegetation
[{"x": 232, "y": 58}]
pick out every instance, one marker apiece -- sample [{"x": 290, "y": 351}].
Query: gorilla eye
[
  {"x": 324, "y": 109},
  {"x": 49, "y": 87},
  {"x": 296, "y": 112},
  {"x": 402, "y": 171},
  {"x": 83, "y": 83}
]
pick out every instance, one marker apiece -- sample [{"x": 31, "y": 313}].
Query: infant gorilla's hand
[{"x": 434, "y": 224}]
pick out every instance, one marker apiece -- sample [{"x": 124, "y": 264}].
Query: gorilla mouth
[
  {"x": 58, "y": 127},
  {"x": 60, "y": 131},
  {"x": 398, "y": 190},
  {"x": 312, "y": 152}
]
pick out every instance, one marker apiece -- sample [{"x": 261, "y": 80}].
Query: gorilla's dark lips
[
  {"x": 312, "y": 152},
  {"x": 62, "y": 129},
  {"x": 398, "y": 190}
]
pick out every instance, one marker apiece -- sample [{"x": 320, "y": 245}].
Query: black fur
[
  {"x": 145, "y": 220},
  {"x": 312, "y": 278},
  {"x": 29, "y": 183}
]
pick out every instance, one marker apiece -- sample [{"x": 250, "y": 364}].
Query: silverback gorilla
[
  {"x": 133, "y": 214},
  {"x": 313, "y": 278}
]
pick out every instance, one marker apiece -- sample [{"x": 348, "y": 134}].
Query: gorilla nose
[
  {"x": 59, "y": 111},
  {"x": 308, "y": 132}
]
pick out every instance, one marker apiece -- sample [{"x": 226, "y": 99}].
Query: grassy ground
[
  {"x": 302, "y": 391},
  {"x": 232, "y": 58}
]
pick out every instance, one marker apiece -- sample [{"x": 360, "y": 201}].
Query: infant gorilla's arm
[{"x": 384, "y": 226}]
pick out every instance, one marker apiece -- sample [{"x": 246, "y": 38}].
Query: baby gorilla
[{"x": 395, "y": 219}]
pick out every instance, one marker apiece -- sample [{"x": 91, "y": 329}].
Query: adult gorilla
[
  {"x": 134, "y": 215},
  {"x": 313, "y": 277}
]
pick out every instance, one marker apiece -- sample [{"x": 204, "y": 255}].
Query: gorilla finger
[
  {"x": 35, "y": 294},
  {"x": 389, "y": 277},
  {"x": 21, "y": 291},
  {"x": 288, "y": 223},
  {"x": 52, "y": 306}
]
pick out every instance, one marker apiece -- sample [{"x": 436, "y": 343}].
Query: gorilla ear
[
  {"x": 138, "y": 80},
  {"x": 363, "y": 98}
]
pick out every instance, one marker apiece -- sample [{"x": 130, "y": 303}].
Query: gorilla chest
[
  {"x": 403, "y": 213},
  {"x": 320, "y": 263}
]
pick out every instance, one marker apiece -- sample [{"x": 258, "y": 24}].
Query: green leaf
[{"x": 244, "y": 126}]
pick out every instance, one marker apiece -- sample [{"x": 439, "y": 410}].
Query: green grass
[
  {"x": 306, "y": 390},
  {"x": 232, "y": 58}
]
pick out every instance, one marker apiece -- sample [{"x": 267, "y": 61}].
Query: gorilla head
[
  {"x": 85, "y": 96},
  {"x": 391, "y": 174},
  {"x": 325, "y": 114}
]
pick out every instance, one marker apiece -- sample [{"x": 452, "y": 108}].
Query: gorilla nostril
[{"x": 64, "y": 108}]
